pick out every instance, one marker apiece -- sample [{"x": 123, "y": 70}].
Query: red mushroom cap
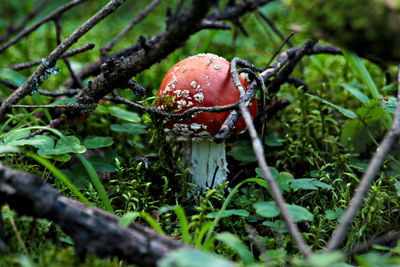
[{"x": 200, "y": 81}]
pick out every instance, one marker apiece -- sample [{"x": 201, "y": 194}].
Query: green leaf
[
  {"x": 282, "y": 179},
  {"x": 322, "y": 185},
  {"x": 308, "y": 184},
  {"x": 70, "y": 143},
  {"x": 355, "y": 134},
  {"x": 128, "y": 218},
  {"x": 8, "y": 149},
  {"x": 59, "y": 157},
  {"x": 230, "y": 212},
  {"x": 389, "y": 88},
  {"x": 99, "y": 163},
  {"x": 242, "y": 153},
  {"x": 66, "y": 144},
  {"x": 131, "y": 128},
  {"x": 15, "y": 135},
  {"x": 79, "y": 180},
  {"x": 346, "y": 112},
  {"x": 360, "y": 69},
  {"x": 389, "y": 105},
  {"x": 13, "y": 76},
  {"x": 304, "y": 183},
  {"x": 273, "y": 141},
  {"x": 46, "y": 142},
  {"x": 188, "y": 257},
  {"x": 124, "y": 114},
  {"x": 299, "y": 213},
  {"x": 331, "y": 215},
  {"x": 92, "y": 142},
  {"x": 278, "y": 226},
  {"x": 326, "y": 259},
  {"x": 237, "y": 245},
  {"x": 370, "y": 112},
  {"x": 23, "y": 142},
  {"x": 357, "y": 93},
  {"x": 397, "y": 186},
  {"x": 267, "y": 209}
]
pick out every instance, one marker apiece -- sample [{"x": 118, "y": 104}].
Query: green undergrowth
[{"x": 120, "y": 159}]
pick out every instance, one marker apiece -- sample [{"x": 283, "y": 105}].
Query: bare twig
[
  {"x": 259, "y": 152},
  {"x": 148, "y": 52},
  {"x": 105, "y": 49},
  {"x": 9, "y": 84},
  {"x": 32, "y": 28},
  {"x": 14, "y": 86},
  {"x": 21, "y": 25},
  {"x": 77, "y": 80},
  {"x": 374, "y": 166},
  {"x": 70, "y": 92},
  {"x": 279, "y": 49},
  {"x": 275, "y": 29},
  {"x": 67, "y": 54},
  {"x": 283, "y": 59},
  {"x": 34, "y": 80},
  {"x": 208, "y": 22},
  {"x": 231, "y": 12},
  {"x": 288, "y": 69},
  {"x": 18, "y": 236},
  {"x": 162, "y": 114}
]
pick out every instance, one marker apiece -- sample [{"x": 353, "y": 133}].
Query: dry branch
[
  {"x": 13, "y": 29},
  {"x": 116, "y": 73},
  {"x": 105, "y": 49},
  {"x": 67, "y": 54},
  {"x": 32, "y": 28},
  {"x": 34, "y": 80},
  {"x": 212, "y": 21},
  {"x": 259, "y": 152},
  {"x": 292, "y": 54},
  {"x": 93, "y": 230}
]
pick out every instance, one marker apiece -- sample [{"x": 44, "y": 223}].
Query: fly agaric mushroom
[{"x": 201, "y": 81}]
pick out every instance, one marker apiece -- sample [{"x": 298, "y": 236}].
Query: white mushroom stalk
[{"x": 207, "y": 163}]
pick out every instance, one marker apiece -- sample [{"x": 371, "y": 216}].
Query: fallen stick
[{"x": 92, "y": 229}]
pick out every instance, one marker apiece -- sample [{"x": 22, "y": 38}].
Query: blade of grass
[
  {"x": 237, "y": 245},
  {"x": 363, "y": 74},
  {"x": 96, "y": 182},
  {"x": 59, "y": 175},
  {"x": 357, "y": 93},
  {"x": 184, "y": 224},
  {"x": 359, "y": 67},
  {"x": 130, "y": 217},
  {"x": 228, "y": 199},
  {"x": 92, "y": 173},
  {"x": 204, "y": 228},
  {"x": 150, "y": 220},
  {"x": 54, "y": 131}
]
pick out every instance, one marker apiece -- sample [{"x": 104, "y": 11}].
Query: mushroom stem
[{"x": 206, "y": 161}]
